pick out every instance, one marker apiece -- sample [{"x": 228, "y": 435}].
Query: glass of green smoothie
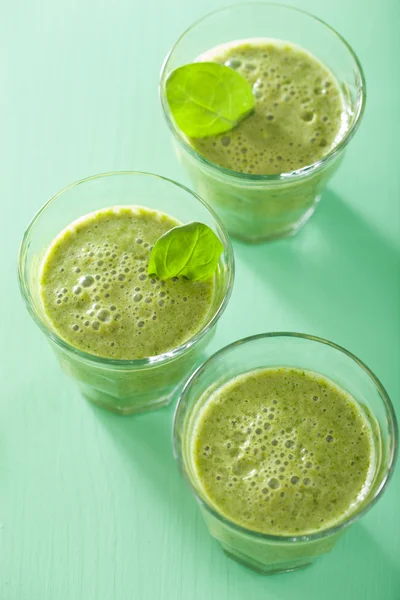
[
  {"x": 128, "y": 338},
  {"x": 285, "y": 440},
  {"x": 265, "y": 176}
]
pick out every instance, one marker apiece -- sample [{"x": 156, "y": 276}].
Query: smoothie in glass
[
  {"x": 128, "y": 339},
  {"x": 265, "y": 176},
  {"x": 284, "y": 451},
  {"x": 98, "y": 296},
  {"x": 285, "y": 440},
  {"x": 300, "y": 112}
]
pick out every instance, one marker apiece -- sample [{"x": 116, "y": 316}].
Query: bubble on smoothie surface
[
  {"x": 299, "y": 115},
  {"x": 285, "y": 474},
  {"x": 95, "y": 273},
  {"x": 86, "y": 281}
]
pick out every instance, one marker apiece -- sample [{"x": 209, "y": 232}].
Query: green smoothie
[
  {"x": 97, "y": 294},
  {"x": 299, "y": 113},
  {"x": 283, "y": 451}
]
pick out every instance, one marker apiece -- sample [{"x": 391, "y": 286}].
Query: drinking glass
[
  {"x": 123, "y": 386},
  {"x": 277, "y": 553},
  {"x": 257, "y": 208}
]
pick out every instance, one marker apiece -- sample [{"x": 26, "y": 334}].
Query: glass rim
[
  {"x": 253, "y": 177},
  {"x": 385, "y": 478},
  {"x": 112, "y": 362}
]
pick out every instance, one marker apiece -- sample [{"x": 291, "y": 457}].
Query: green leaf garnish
[
  {"x": 207, "y": 98},
  {"x": 190, "y": 250}
]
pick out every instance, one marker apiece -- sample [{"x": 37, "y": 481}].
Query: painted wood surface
[{"x": 91, "y": 505}]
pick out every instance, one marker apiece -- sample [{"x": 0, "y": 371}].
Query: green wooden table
[{"x": 91, "y": 505}]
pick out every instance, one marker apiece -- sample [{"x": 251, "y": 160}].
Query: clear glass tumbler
[
  {"x": 123, "y": 386},
  {"x": 256, "y": 208},
  {"x": 274, "y": 553}
]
